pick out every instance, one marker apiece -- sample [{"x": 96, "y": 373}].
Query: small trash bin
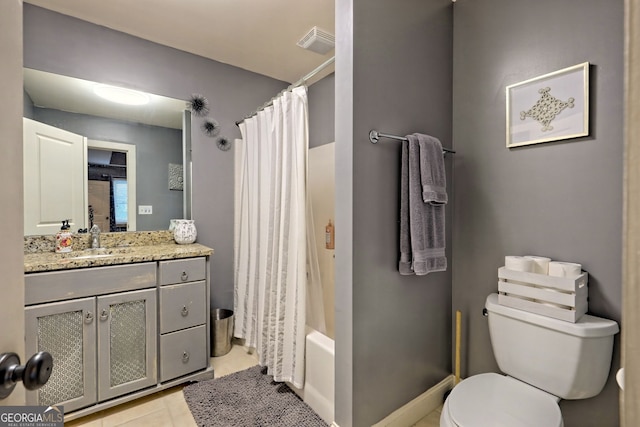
[{"x": 221, "y": 331}]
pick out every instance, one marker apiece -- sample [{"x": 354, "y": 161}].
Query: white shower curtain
[{"x": 271, "y": 236}]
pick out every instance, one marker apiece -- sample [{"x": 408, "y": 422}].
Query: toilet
[{"x": 543, "y": 359}]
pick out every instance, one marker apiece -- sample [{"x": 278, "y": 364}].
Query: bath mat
[{"x": 248, "y": 398}]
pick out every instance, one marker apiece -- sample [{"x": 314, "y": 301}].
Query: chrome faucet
[{"x": 95, "y": 236}]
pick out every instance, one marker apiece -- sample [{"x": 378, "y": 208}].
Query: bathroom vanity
[{"x": 121, "y": 322}]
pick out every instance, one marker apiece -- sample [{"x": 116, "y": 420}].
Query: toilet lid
[{"x": 493, "y": 400}]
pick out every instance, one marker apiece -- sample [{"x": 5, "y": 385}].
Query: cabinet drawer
[
  {"x": 182, "y": 306},
  {"x": 87, "y": 282},
  {"x": 182, "y": 270},
  {"x": 183, "y": 352}
]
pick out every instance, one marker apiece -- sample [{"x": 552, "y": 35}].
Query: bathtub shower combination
[{"x": 318, "y": 391}]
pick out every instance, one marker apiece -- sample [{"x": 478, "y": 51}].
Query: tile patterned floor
[
  {"x": 431, "y": 420},
  {"x": 169, "y": 409}
]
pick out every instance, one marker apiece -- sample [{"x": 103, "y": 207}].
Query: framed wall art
[{"x": 548, "y": 108}]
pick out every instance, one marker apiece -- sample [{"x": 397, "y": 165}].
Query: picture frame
[{"x": 550, "y": 107}]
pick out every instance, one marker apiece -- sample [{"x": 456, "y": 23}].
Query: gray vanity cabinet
[
  {"x": 118, "y": 332},
  {"x": 67, "y": 330},
  {"x": 104, "y": 325},
  {"x": 126, "y": 342},
  {"x": 183, "y": 317}
]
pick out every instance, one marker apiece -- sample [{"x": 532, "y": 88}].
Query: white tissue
[
  {"x": 518, "y": 263},
  {"x": 540, "y": 264},
  {"x": 564, "y": 269}
]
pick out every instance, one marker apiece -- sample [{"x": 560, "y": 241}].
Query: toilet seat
[{"x": 493, "y": 400}]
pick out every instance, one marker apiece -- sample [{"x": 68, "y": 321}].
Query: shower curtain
[{"x": 272, "y": 268}]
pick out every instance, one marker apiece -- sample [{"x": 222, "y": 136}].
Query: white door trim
[{"x": 130, "y": 151}]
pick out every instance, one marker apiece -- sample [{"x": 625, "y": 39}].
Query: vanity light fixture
[{"x": 121, "y": 95}]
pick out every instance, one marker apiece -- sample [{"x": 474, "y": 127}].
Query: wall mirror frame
[{"x": 159, "y": 131}]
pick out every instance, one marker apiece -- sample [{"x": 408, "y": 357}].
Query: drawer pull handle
[
  {"x": 185, "y": 311},
  {"x": 184, "y": 276},
  {"x": 88, "y": 318},
  {"x": 185, "y": 357},
  {"x": 104, "y": 314}
]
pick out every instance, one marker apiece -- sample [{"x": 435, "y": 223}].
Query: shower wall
[{"x": 322, "y": 194}]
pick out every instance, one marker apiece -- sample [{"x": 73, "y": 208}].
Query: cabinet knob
[
  {"x": 88, "y": 318},
  {"x": 185, "y": 311},
  {"x": 185, "y": 357},
  {"x": 184, "y": 276},
  {"x": 104, "y": 314},
  {"x": 34, "y": 374}
]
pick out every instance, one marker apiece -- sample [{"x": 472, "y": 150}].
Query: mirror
[{"x": 141, "y": 148}]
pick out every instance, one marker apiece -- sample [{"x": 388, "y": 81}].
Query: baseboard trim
[{"x": 419, "y": 407}]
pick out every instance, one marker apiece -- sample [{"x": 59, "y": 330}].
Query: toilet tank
[{"x": 568, "y": 360}]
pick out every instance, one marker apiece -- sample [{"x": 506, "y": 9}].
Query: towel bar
[{"x": 374, "y": 137}]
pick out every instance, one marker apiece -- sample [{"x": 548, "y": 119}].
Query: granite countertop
[{"x": 117, "y": 248}]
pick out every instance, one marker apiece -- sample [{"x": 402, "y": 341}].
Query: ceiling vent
[{"x": 318, "y": 40}]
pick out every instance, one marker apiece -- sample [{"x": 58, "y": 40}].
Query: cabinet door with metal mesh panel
[
  {"x": 66, "y": 330},
  {"x": 126, "y": 342}
]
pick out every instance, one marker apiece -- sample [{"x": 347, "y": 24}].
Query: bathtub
[{"x": 318, "y": 391}]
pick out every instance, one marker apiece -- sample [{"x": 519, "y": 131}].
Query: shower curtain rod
[
  {"x": 300, "y": 82},
  {"x": 374, "y": 137}
]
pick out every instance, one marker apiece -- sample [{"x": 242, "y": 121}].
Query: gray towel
[
  {"x": 422, "y": 236},
  {"x": 432, "y": 173}
]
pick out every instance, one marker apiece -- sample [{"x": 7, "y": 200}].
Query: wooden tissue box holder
[{"x": 563, "y": 298}]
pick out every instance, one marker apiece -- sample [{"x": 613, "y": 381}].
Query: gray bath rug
[{"x": 248, "y": 398}]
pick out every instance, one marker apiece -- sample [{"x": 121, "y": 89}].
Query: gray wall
[
  {"x": 394, "y": 73},
  {"x": 156, "y": 147},
  {"x": 322, "y": 107},
  {"x": 562, "y": 199},
  {"x": 68, "y": 46}
]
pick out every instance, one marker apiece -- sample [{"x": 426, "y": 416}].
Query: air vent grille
[{"x": 318, "y": 40}]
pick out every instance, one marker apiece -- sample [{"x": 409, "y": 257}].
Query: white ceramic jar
[{"x": 184, "y": 231}]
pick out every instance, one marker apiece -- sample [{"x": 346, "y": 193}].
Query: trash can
[{"x": 221, "y": 331}]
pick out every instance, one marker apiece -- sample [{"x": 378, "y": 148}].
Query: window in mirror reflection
[{"x": 120, "y": 202}]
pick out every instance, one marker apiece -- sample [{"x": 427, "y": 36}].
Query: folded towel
[
  {"x": 432, "y": 172},
  {"x": 404, "y": 266},
  {"x": 422, "y": 237}
]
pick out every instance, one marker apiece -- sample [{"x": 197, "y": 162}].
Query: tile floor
[
  {"x": 431, "y": 420},
  {"x": 169, "y": 409}
]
